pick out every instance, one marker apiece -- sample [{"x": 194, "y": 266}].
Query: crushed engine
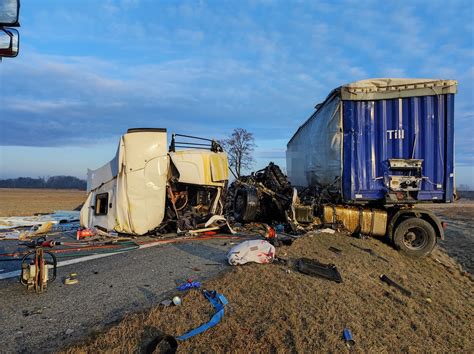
[{"x": 266, "y": 195}]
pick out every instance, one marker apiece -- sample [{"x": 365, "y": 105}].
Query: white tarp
[
  {"x": 313, "y": 155},
  {"x": 257, "y": 251},
  {"x": 385, "y": 88},
  {"x": 62, "y": 216}
]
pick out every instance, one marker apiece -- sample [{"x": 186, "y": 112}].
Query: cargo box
[{"x": 379, "y": 140}]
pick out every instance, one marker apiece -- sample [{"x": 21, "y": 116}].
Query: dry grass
[
  {"x": 272, "y": 310},
  {"x": 24, "y": 202}
]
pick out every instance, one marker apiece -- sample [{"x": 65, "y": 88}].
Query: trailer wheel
[{"x": 415, "y": 237}]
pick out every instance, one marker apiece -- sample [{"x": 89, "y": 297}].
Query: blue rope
[{"x": 218, "y": 301}]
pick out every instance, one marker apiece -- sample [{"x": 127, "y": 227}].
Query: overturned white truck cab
[{"x": 146, "y": 184}]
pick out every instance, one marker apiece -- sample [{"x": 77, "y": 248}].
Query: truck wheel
[
  {"x": 246, "y": 204},
  {"x": 415, "y": 237}
]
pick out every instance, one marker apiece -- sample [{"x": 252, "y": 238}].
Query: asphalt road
[{"x": 108, "y": 288}]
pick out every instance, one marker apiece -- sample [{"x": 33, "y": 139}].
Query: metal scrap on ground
[{"x": 58, "y": 217}]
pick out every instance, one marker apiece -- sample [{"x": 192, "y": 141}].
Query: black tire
[
  {"x": 246, "y": 204},
  {"x": 415, "y": 237}
]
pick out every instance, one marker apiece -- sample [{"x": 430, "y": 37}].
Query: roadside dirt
[
  {"x": 459, "y": 240},
  {"x": 25, "y": 202},
  {"x": 271, "y": 309}
]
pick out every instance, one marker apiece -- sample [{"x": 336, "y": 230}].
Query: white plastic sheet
[
  {"x": 25, "y": 221},
  {"x": 257, "y": 251}
]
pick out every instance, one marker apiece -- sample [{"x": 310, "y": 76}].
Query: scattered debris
[
  {"x": 36, "y": 263},
  {"x": 326, "y": 231},
  {"x": 23, "y": 234},
  {"x": 264, "y": 195},
  {"x": 43, "y": 228},
  {"x": 347, "y": 335},
  {"x": 166, "y": 303},
  {"x": 267, "y": 195},
  {"x": 218, "y": 301},
  {"x": 283, "y": 239},
  {"x": 84, "y": 233},
  {"x": 58, "y": 217},
  {"x": 389, "y": 281},
  {"x": 371, "y": 252},
  {"x": 12, "y": 235},
  {"x": 316, "y": 269},
  {"x": 271, "y": 232},
  {"x": 258, "y": 251},
  {"x": 189, "y": 285},
  {"x": 69, "y": 331},
  {"x": 335, "y": 250},
  {"x": 36, "y": 311},
  {"x": 71, "y": 279},
  {"x": 393, "y": 297},
  {"x": 177, "y": 301}
]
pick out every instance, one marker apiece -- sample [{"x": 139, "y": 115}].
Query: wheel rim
[{"x": 415, "y": 238}]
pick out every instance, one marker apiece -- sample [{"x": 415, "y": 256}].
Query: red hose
[{"x": 93, "y": 247}]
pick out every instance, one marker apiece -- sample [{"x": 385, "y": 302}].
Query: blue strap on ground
[{"x": 218, "y": 301}]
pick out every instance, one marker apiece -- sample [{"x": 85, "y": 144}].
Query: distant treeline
[{"x": 55, "y": 182}]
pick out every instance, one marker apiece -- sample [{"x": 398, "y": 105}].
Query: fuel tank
[{"x": 372, "y": 222}]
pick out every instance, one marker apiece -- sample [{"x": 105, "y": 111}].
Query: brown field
[
  {"x": 25, "y": 202},
  {"x": 271, "y": 310}
]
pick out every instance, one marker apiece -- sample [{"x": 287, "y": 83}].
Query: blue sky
[{"x": 88, "y": 70}]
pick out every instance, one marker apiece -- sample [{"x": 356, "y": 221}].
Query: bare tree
[{"x": 239, "y": 148}]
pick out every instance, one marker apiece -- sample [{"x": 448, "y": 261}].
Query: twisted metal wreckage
[
  {"x": 146, "y": 189},
  {"x": 150, "y": 189}
]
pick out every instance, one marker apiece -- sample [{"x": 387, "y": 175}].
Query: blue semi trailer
[{"x": 384, "y": 145}]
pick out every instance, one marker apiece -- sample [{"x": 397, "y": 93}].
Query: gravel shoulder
[{"x": 459, "y": 236}]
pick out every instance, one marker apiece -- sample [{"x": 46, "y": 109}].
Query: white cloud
[{"x": 39, "y": 106}]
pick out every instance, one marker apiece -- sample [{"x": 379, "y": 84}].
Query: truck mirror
[
  {"x": 9, "y": 11},
  {"x": 9, "y": 42},
  {"x": 5, "y": 40}
]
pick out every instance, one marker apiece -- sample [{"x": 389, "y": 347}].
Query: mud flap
[{"x": 314, "y": 268}]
